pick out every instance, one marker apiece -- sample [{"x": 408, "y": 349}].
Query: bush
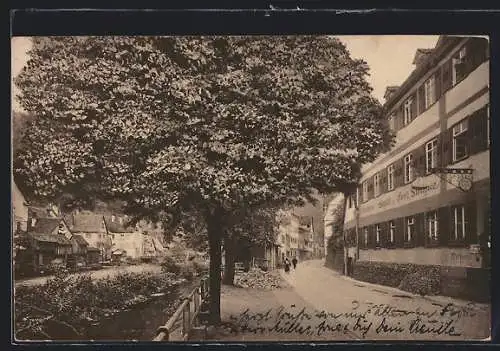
[
  {"x": 417, "y": 279},
  {"x": 170, "y": 265},
  {"x": 73, "y": 302}
]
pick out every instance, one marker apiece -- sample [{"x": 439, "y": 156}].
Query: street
[
  {"x": 331, "y": 292},
  {"x": 99, "y": 274}
]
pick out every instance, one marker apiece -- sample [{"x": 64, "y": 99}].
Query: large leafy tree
[{"x": 205, "y": 124}]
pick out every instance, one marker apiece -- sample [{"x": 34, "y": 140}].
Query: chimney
[
  {"x": 389, "y": 91},
  {"x": 421, "y": 55}
]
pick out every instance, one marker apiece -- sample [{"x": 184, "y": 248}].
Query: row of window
[
  {"x": 452, "y": 72},
  {"x": 446, "y": 225},
  {"x": 467, "y": 137}
]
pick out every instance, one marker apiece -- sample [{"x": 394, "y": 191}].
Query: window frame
[
  {"x": 365, "y": 190},
  {"x": 429, "y": 92},
  {"x": 408, "y": 168},
  {"x": 392, "y": 231},
  {"x": 390, "y": 177},
  {"x": 365, "y": 232},
  {"x": 409, "y": 233},
  {"x": 455, "y": 61},
  {"x": 433, "y": 153},
  {"x": 432, "y": 222},
  {"x": 455, "y": 222},
  {"x": 392, "y": 121},
  {"x": 377, "y": 234},
  {"x": 407, "y": 108},
  {"x": 462, "y": 133}
]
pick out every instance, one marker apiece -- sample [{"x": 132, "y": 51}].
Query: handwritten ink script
[{"x": 360, "y": 320}]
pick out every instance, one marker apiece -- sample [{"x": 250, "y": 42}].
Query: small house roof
[
  {"x": 87, "y": 222},
  {"x": 46, "y": 225},
  {"x": 91, "y": 248},
  {"x": 117, "y": 227},
  {"x": 51, "y": 238},
  {"x": 80, "y": 240}
]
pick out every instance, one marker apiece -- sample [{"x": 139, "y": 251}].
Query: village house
[
  {"x": 427, "y": 201},
  {"x": 92, "y": 227},
  {"x": 127, "y": 241},
  {"x": 306, "y": 238},
  {"x": 49, "y": 244}
]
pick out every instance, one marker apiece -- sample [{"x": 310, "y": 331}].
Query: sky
[{"x": 389, "y": 57}]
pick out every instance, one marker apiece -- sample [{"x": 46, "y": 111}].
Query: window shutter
[
  {"x": 447, "y": 152},
  {"x": 400, "y": 117},
  {"x": 398, "y": 173},
  {"x": 383, "y": 181},
  {"x": 478, "y": 125},
  {"x": 446, "y": 76},
  {"x": 444, "y": 224},
  {"x": 370, "y": 188},
  {"x": 399, "y": 232},
  {"x": 421, "y": 99},
  {"x": 425, "y": 232},
  {"x": 419, "y": 238},
  {"x": 471, "y": 234},
  {"x": 439, "y": 150},
  {"x": 419, "y": 161},
  {"x": 384, "y": 234},
  {"x": 414, "y": 112},
  {"x": 437, "y": 84}
]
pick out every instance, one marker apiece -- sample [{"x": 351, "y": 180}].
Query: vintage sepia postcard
[{"x": 251, "y": 188}]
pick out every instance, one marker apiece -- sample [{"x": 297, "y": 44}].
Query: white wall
[{"x": 453, "y": 257}]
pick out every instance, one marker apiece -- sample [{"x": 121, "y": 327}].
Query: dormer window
[{"x": 113, "y": 218}]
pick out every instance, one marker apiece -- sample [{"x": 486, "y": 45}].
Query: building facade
[{"x": 427, "y": 200}]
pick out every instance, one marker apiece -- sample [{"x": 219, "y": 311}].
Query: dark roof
[
  {"x": 87, "y": 222},
  {"x": 443, "y": 44},
  {"x": 45, "y": 225},
  {"x": 117, "y": 227},
  {"x": 51, "y": 238},
  {"x": 93, "y": 249},
  {"x": 80, "y": 240}
]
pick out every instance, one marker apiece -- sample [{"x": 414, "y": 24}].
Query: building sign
[{"x": 420, "y": 189}]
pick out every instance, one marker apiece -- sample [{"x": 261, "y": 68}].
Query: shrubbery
[
  {"x": 70, "y": 304},
  {"x": 170, "y": 265},
  {"x": 417, "y": 279}
]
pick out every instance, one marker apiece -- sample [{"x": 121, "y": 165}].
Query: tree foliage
[
  {"x": 167, "y": 122},
  {"x": 205, "y": 124}
]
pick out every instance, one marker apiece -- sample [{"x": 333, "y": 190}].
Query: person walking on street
[
  {"x": 287, "y": 265},
  {"x": 294, "y": 262}
]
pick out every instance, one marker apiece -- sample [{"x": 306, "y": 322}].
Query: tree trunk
[
  {"x": 228, "y": 278},
  {"x": 214, "y": 248},
  {"x": 344, "y": 239}
]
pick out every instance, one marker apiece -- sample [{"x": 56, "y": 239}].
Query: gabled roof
[
  {"x": 80, "y": 240},
  {"x": 87, "y": 222},
  {"x": 117, "y": 227},
  {"x": 51, "y": 238},
  {"x": 46, "y": 225}
]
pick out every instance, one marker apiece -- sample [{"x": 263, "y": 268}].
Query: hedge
[{"x": 426, "y": 279}]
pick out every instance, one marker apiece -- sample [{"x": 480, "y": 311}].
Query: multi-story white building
[
  {"x": 427, "y": 200},
  {"x": 288, "y": 236}
]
